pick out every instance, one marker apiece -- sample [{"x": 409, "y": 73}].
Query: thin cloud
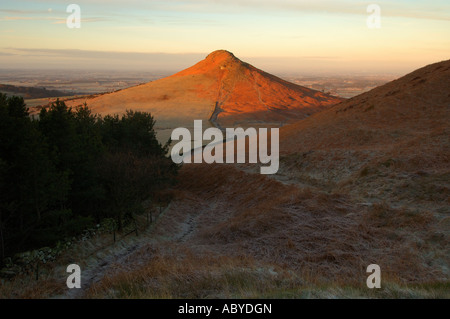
[
  {"x": 432, "y": 10},
  {"x": 92, "y": 53},
  {"x": 18, "y": 11},
  {"x": 426, "y": 9},
  {"x": 82, "y": 20},
  {"x": 16, "y": 18},
  {"x": 120, "y": 10},
  {"x": 19, "y": 18},
  {"x": 56, "y": 20},
  {"x": 102, "y": 60},
  {"x": 6, "y": 54}
]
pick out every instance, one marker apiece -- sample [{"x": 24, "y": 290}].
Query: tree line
[{"x": 69, "y": 169}]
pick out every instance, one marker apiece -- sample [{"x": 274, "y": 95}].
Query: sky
[{"x": 320, "y": 36}]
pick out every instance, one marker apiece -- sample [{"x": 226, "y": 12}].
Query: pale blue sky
[{"x": 283, "y": 35}]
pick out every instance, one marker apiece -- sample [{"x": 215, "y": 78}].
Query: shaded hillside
[{"x": 390, "y": 144}]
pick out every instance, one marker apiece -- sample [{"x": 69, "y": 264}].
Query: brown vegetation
[{"x": 366, "y": 181}]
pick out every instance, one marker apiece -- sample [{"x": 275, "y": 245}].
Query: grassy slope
[{"x": 364, "y": 182}]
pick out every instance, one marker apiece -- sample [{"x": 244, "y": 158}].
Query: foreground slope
[{"x": 364, "y": 182}]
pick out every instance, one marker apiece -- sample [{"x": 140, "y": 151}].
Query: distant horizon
[{"x": 171, "y": 63}]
